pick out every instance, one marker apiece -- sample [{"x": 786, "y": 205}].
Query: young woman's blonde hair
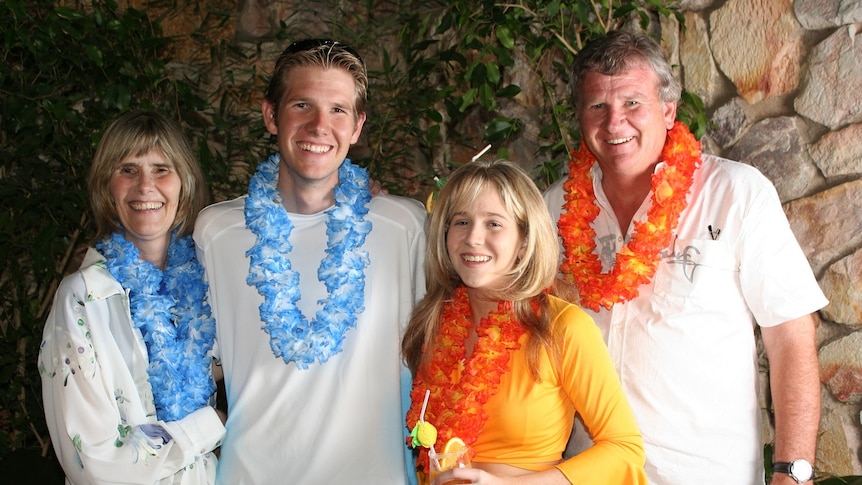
[
  {"x": 135, "y": 134},
  {"x": 533, "y": 274}
]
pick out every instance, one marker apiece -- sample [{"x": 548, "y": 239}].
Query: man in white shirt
[
  {"x": 311, "y": 283},
  {"x": 679, "y": 256}
]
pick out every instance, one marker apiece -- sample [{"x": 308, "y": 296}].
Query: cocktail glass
[{"x": 440, "y": 462}]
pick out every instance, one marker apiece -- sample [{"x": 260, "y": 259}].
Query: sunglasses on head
[{"x": 308, "y": 44}]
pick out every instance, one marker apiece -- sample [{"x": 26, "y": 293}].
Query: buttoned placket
[{"x": 607, "y": 224}]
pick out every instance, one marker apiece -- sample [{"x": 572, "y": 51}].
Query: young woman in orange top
[{"x": 507, "y": 361}]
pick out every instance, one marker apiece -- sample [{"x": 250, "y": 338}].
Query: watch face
[{"x": 801, "y": 470}]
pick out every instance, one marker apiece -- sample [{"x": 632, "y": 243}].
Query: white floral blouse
[{"x": 97, "y": 396}]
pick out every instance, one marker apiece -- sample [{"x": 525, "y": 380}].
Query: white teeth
[
  {"x": 145, "y": 206},
  {"x": 477, "y": 259},
  {"x": 314, "y": 148},
  {"x": 618, "y": 141}
]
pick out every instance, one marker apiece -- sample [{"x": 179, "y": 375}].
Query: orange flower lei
[
  {"x": 638, "y": 260},
  {"x": 460, "y": 386}
]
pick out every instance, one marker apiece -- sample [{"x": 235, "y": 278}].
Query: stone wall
[{"x": 782, "y": 81}]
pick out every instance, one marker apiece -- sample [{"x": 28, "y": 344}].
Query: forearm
[
  {"x": 478, "y": 474},
  {"x": 617, "y": 454},
  {"x": 795, "y": 387}
]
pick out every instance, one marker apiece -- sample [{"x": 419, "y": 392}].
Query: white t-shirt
[
  {"x": 97, "y": 395},
  {"x": 685, "y": 347},
  {"x": 337, "y": 422}
]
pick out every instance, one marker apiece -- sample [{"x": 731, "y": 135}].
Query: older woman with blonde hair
[{"x": 125, "y": 357}]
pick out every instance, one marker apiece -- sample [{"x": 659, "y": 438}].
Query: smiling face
[
  {"x": 315, "y": 123},
  {"x": 623, "y": 121},
  {"x": 484, "y": 242},
  {"x": 146, "y": 191}
]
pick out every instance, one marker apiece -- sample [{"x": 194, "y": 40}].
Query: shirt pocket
[{"x": 698, "y": 269}]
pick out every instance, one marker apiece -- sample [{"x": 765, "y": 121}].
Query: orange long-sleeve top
[{"x": 529, "y": 423}]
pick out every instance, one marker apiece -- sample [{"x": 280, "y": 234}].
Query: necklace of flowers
[
  {"x": 342, "y": 270},
  {"x": 637, "y": 261},
  {"x": 171, "y": 310},
  {"x": 460, "y": 386}
]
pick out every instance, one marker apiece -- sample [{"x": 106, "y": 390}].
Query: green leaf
[
  {"x": 68, "y": 13},
  {"x": 501, "y": 128},
  {"x": 509, "y": 91},
  {"x": 486, "y": 97},
  {"x": 467, "y": 99},
  {"x": 95, "y": 55},
  {"x": 477, "y": 74},
  {"x": 434, "y": 115},
  {"x": 493, "y": 73},
  {"x": 504, "y": 35},
  {"x": 692, "y": 112}
]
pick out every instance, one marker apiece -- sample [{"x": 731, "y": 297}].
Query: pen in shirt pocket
[{"x": 713, "y": 233}]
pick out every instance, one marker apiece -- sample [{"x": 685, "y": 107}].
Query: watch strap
[{"x": 787, "y": 468}]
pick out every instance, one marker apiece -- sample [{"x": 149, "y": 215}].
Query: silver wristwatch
[{"x": 799, "y": 470}]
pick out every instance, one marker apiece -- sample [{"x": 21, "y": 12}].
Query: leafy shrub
[{"x": 67, "y": 71}]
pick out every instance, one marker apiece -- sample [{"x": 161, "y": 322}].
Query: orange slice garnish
[{"x": 454, "y": 445}]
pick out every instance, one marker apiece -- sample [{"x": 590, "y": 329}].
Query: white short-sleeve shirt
[
  {"x": 337, "y": 422},
  {"x": 685, "y": 347}
]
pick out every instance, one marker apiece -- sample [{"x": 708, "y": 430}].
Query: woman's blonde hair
[{"x": 533, "y": 274}]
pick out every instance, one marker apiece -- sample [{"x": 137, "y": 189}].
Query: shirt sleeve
[
  {"x": 588, "y": 375},
  {"x": 775, "y": 275},
  {"x": 103, "y": 429}
]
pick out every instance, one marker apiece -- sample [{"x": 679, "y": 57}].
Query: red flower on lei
[
  {"x": 460, "y": 386},
  {"x": 637, "y": 261}
]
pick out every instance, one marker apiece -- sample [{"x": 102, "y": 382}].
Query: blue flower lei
[
  {"x": 342, "y": 270},
  {"x": 171, "y": 310}
]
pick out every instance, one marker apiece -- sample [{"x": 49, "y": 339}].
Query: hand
[
  {"x": 218, "y": 372},
  {"x": 479, "y": 476},
  {"x": 468, "y": 475},
  {"x": 376, "y": 188}
]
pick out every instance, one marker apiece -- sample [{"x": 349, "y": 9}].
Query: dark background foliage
[{"x": 66, "y": 72}]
